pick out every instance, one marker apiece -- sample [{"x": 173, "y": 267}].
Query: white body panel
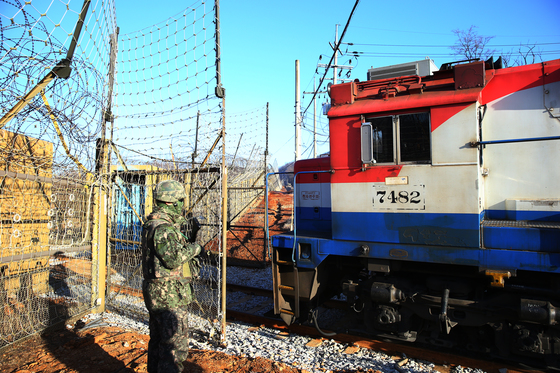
[
  {"x": 518, "y": 171},
  {"x": 313, "y": 195},
  {"x": 450, "y": 141},
  {"x": 450, "y": 185},
  {"x": 442, "y": 189}
]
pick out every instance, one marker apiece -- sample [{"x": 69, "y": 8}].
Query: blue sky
[{"x": 261, "y": 40}]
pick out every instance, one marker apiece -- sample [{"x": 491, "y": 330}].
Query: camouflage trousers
[{"x": 169, "y": 341}]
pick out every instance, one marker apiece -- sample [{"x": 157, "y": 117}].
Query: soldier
[{"x": 167, "y": 255}]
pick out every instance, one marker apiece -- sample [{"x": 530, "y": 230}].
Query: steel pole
[{"x": 298, "y": 122}]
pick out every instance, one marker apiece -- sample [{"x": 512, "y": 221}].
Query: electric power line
[
  {"x": 337, "y": 46},
  {"x": 442, "y": 46}
]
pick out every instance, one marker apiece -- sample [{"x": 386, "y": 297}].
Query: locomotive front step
[{"x": 525, "y": 235}]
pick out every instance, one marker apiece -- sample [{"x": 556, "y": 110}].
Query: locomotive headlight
[{"x": 305, "y": 250}]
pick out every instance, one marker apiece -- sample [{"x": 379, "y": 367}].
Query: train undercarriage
[{"x": 451, "y": 307}]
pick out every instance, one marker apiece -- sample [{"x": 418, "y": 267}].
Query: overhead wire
[
  {"x": 440, "y": 46},
  {"x": 336, "y": 48}
]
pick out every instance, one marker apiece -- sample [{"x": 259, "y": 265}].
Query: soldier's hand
[
  {"x": 212, "y": 256},
  {"x": 195, "y": 227},
  {"x": 197, "y": 249},
  {"x": 191, "y": 228},
  {"x": 196, "y": 267}
]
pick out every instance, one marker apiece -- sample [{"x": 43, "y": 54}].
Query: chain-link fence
[
  {"x": 132, "y": 200},
  {"x": 52, "y": 96},
  {"x": 247, "y": 137}
]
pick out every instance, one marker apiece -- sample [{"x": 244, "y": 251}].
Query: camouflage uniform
[{"x": 166, "y": 260}]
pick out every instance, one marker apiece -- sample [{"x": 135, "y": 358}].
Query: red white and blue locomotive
[{"x": 437, "y": 211}]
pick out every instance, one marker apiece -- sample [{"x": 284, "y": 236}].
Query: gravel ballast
[{"x": 253, "y": 341}]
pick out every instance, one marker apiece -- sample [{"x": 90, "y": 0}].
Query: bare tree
[
  {"x": 527, "y": 54},
  {"x": 471, "y": 45}
]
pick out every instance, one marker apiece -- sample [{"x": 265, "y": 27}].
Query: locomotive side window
[
  {"x": 400, "y": 139},
  {"x": 414, "y": 144},
  {"x": 382, "y": 137}
]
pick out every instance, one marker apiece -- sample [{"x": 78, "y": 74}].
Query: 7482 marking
[{"x": 406, "y": 197}]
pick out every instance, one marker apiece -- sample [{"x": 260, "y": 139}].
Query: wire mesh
[
  {"x": 247, "y": 162},
  {"x": 92, "y": 120},
  {"x": 132, "y": 200},
  {"x": 168, "y": 125}
]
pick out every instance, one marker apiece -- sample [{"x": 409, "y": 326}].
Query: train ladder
[{"x": 286, "y": 281}]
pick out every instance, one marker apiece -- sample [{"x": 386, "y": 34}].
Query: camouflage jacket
[{"x": 165, "y": 256}]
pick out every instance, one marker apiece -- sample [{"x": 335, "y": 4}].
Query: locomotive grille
[{"x": 521, "y": 224}]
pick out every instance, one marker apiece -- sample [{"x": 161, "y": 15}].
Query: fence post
[
  {"x": 265, "y": 171},
  {"x": 100, "y": 250},
  {"x": 99, "y": 233},
  {"x": 108, "y": 117}
]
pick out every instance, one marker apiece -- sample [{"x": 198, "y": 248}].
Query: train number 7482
[
  {"x": 398, "y": 197},
  {"x": 410, "y": 198}
]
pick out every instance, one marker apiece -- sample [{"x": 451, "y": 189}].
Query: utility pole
[
  {"x": 298, "y": 115},
  {"x": 314, "y": 121},
  {"x": 335, "y": 66},
  {"x": 314, "y": 93},
  {"x": 335, "y": 54}
]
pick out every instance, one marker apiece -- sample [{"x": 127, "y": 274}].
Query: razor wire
[
  {"x": 47, "y": 160},
  {"x": 156, "y": 108}
]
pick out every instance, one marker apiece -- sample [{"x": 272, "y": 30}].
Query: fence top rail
[
  {"x": 52, "y": 252},
  {"x": 59, "y": 181},
  {"x": 165, "y": 172}
]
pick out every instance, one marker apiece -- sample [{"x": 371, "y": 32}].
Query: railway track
[
  {"x": 257, "y": 315},
  {"x": 444, "y": 361}
]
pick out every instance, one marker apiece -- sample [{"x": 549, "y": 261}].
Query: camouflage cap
[{"x": 169, "y": 191}]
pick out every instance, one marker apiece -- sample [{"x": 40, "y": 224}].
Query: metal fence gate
[{"x": 132, "y": 201}]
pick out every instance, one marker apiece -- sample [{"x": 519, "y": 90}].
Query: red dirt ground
[
  {"x": 114, "y": 350},
  {"x": 247, "y": 245}
]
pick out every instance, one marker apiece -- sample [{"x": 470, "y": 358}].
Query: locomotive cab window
[{"x": 396, "y": 139}]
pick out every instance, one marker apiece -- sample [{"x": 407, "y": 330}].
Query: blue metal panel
[
  {"x": 312, "y": 219},
  {"x": 127, "y": 226},
  {"x": 414, "y": 253},
  {"x": 536, "y": 239},
  {"x": 480, "y": 258},
  {"x": 462, "y": 230},
  {"x": 283, "y": 240},
  {"x": 520, "y": 260}
]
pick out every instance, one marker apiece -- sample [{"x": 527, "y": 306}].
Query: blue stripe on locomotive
[
  {"x": 482, "y": 258},
  {"x": 410, "y": 228},
  {"x": 316, "y": 219},
  {"x": 523, "y": 215},
  {"x": 414, "y": 237},
  {"x": 525, "y": 239}
]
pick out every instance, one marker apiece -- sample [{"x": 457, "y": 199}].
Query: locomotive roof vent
[{"x": 421, "y": 68}]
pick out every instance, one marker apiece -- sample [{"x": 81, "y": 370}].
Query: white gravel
[
  {"x": 249, "y": 341},
  {"x": 255, "y": 277}
]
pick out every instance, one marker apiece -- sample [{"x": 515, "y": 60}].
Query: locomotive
[{"x": 436, "y": 213}]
